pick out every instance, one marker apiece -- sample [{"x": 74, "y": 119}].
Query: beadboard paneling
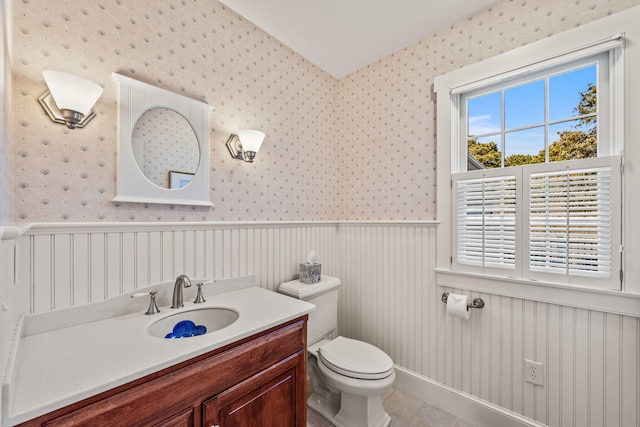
[
  {"x": 387, "y": 294},
  {"x": 389, "y": 298},
  {"x": 60, "y": 267}
]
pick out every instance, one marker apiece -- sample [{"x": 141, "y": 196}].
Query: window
[
  {"x": 547, "y": 117},
  {"x": 535, "y": 178}
]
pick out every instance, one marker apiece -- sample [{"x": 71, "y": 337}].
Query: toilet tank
[{"x": 323, "y": 321}]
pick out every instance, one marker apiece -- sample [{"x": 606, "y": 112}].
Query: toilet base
[
  {"x": 327, "y": 408},
  {"x": 360, "y": 411}
]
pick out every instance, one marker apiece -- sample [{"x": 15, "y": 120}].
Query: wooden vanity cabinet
[
  {"x": 267, "y": 399},
  {"x": 258, "y": 381}
]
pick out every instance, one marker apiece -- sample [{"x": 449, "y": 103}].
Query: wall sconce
[
  {"x": 69, "y": 99},
  {"x": 245, "y": 144}
]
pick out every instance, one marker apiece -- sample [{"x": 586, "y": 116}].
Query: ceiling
[{"x": 341, "y": 36}]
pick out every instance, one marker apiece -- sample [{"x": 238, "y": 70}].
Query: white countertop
[{"x": 57, "y": 367}]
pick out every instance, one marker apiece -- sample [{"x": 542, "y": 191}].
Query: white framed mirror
[{"x": 163, "y": 146}]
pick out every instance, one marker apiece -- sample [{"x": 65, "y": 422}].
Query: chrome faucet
[{"x": 181, "y": 281}]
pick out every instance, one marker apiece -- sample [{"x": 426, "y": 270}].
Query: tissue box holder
[{"x": 310, "y": 273}]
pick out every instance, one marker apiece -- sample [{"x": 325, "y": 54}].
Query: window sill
[{"x": 618, "y": 302}]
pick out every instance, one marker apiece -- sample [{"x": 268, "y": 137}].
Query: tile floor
[{"x": 405, "y": 411}]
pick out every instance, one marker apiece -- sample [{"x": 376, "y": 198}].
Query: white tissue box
[{"x": 310, "y": 273}]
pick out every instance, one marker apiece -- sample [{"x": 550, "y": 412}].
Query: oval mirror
[{"x": 165, "y": 148}]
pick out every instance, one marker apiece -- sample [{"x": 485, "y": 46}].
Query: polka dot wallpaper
[
  {"x": 387, "y": 110},
  {"x": 361, "y": 148},
  {"x": 197, "y": 48}
]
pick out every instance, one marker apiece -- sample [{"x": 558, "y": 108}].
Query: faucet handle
[
  {"x": 200, "y": 298},
  {"x": 153, "y": 307}
]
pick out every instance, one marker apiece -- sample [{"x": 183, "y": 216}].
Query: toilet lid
[{"x": 355, "y": 359}]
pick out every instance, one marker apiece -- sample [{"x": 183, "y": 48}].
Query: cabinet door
[{"x": 266, "y": 399}]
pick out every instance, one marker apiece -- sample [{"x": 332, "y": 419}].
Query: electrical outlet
[{"x": 534, "y": 372}]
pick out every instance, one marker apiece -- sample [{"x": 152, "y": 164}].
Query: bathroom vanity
[
  {"x": 250, "y": 373},
  {"x": 259, "y": 381}
]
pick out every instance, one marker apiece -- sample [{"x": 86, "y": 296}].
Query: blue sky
[{"x": 524, "y": 106}]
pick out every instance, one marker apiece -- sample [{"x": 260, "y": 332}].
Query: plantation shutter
[
  {"x": 571, "y": 220},
  {"x": 558, "y": 222},
  {"x": 486, "y": 221}
]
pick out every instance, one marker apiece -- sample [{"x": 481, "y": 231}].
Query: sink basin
[{"x": 193, "y": 322}]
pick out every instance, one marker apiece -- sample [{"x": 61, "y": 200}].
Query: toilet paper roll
[{"x": 457, "y": 306}]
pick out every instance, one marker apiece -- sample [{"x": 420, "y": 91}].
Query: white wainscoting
[
  {"x": 389, "y": 298},
  {"x": 63, "y": 266},
  {"x": 591, "y": 358},
  {"x": 387, "y": 271}
]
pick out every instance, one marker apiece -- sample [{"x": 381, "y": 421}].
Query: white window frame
[
  {"x": 574, "y": 44},
  {"x": 606, "y": 54},
  {"x": 511, "y": 246}
]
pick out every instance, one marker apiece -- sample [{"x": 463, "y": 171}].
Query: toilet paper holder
[{"x": 476, "y": 303}]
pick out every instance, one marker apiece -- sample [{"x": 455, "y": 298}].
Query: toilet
[{"x": 349, "y": 377}]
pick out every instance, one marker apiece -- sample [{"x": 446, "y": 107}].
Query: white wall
[
  {"x": 7, "y": 321},
  {"x": 61, "y": 266}
]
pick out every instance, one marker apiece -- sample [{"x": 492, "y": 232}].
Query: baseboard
[{"x": 465, "y": 406}]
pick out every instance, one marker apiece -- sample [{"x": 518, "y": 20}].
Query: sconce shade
[
  {"x": 250, "y": 139},
  {"x": 73, "y": 96},
  {"x": 245, "y": 144}
]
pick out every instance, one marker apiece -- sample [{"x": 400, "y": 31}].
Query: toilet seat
[{"x": 355, "y": 359}]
